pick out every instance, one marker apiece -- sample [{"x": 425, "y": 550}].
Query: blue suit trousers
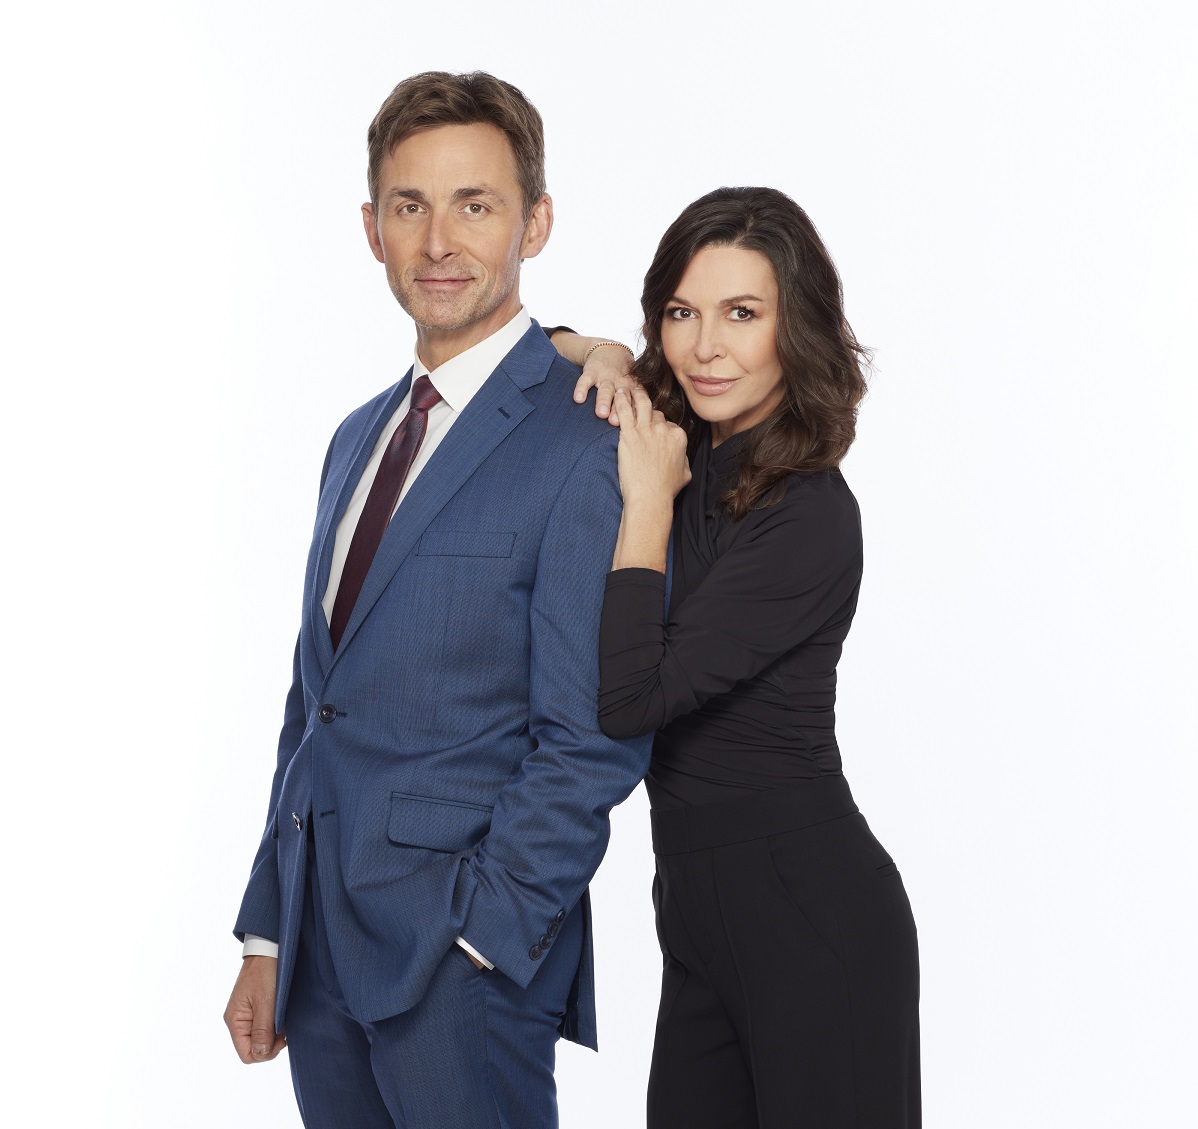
[{"x": 477, "y": 1052}]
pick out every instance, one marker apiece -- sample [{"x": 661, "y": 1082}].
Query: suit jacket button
[
  {"x": 552, "y": 930},
  {"x": 299, "y": 823},
  {"x": 535, "y": 952},
  {"x": 546, "y": 941},
  {"x": 561, "y": 916},
  {"x": 326, "y": 713}
]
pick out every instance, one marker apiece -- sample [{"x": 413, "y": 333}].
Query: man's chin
[
  {"x": 444, "y": 325},
  {"x": 441, "y": 317}
]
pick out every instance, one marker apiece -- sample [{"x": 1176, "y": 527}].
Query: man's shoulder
[{"x": 557, "y": 414}]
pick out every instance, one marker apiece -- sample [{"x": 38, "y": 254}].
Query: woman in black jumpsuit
[{"x": 791, "y": 983}]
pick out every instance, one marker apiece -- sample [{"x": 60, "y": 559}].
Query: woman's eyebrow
[{"x": 734, "y": 301}]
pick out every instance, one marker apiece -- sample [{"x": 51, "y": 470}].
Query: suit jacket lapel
[
  {"x": 497, "y": 408},
  {"x": 339, "y": 492}
]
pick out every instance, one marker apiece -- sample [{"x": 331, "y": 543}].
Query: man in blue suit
[{"x": 416, "y": 917}]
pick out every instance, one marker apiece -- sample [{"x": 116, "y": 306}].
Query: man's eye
[
  {"x": 475, "y": 209},
  {"x": 409, "y": 209}
]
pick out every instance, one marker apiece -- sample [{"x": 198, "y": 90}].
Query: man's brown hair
[{"x": 435, "y": 98}]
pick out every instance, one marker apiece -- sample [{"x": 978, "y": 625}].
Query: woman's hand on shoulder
[
  {"x": 652, "y": 456},
  {"x": 606, "y": 367}
]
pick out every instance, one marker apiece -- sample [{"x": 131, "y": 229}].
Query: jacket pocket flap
[
  {"x": 466, "y": 543},
  {"x": 439, "y": 825}
]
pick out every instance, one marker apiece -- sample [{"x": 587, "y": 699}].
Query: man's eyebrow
[
  {"x": 472, "y": 193},
  {"x": 413, "y": 194},
  {"x": 480, "y": 190}
]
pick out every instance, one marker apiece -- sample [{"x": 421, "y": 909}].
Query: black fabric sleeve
[
  {"x": 790, "y": 573},
  {"x": 550, "y": 330}
]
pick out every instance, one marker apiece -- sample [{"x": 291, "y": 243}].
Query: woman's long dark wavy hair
[{"x": 814, "y": 425}]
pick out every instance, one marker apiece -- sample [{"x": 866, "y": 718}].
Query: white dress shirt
[{"x": 457, "y": 381}]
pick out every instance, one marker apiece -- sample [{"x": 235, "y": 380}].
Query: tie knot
[{"x": 424, "y": 395}]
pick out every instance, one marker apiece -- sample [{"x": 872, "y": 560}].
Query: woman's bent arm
[
  {"x": 792, "y": 573},
  {"x": 653, "y": 468}
]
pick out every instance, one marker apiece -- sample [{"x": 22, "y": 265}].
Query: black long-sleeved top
[{"x": 741, "y": 682}]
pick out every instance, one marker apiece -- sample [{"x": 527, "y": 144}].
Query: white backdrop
[{"x": 190, "y": 308}]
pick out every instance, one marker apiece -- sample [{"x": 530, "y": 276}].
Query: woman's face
[{"x": 719, "y": 335}]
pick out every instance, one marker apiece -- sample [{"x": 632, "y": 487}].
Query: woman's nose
[{"x": 709, "y": 345}]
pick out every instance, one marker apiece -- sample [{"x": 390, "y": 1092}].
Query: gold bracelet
[{"x": 600, "y": 344}]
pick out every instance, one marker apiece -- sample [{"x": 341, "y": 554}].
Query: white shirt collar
[{"x": 459, "y": 378}]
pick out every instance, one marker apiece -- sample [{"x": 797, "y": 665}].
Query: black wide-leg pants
[{"x": 790, "y": 994}]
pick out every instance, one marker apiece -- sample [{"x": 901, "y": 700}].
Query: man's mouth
[{"x": 443, "y": 283}]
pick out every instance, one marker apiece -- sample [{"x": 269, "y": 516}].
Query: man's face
[{"x": 450, "y": 229}]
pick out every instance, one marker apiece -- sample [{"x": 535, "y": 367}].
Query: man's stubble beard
[{"x": 474, "y": 306}]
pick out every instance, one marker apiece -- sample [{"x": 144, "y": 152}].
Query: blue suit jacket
[{"x": 449, "y": 753}]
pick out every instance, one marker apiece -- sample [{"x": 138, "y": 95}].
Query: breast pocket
[{"x": 466, "y": 543}]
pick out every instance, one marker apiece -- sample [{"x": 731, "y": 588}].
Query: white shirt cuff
[
  {"x": 258, "y": 947},
  {"x": 254, "y": 946},
  {"x": 471, "y": 950}
]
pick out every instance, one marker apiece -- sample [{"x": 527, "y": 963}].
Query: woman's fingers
[
  {"x": 642, "y": 405},
  {"x": 604, "y": 400},
  {"x": 605, "y": 391},
  {"x": 581, "y": 387},
  {"x": 623, "y": 412},
  {"x": 605, "y": 368},
  {"x": 620, "y": 394},
  {"x": 638, "y": 408}
]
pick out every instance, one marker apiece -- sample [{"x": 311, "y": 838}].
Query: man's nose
[{"x": 439, "y": 242}]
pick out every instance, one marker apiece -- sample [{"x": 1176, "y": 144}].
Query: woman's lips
[{"x": 710, "y": 385}]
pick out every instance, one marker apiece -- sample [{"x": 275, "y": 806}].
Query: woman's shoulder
[
  {"x": 812, "y": 504},
  {"x": 817, "y": 492}
]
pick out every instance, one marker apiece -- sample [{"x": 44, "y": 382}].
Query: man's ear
[
  {"x": 370, "y": 223},
  {"x": 537, "y": 229}
]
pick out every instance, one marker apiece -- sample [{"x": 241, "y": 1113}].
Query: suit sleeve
[
  {"x": 550, "y": 825},
  {"x": 260, "y": 906},
  {"x": 261, "y": 903},
  {"x": 792, "y": 573}
]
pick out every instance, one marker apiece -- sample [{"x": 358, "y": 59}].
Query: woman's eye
[
  {"x": 679, "y": 313},
  {"x": 742, "y": 313}
]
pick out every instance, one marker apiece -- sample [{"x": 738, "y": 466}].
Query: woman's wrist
[
  {"x": 569, "y": 344},
  {"x": 577, "y": 349},
  {"x": 644, "y": 536},
  {"x": 595, "y": 343}
]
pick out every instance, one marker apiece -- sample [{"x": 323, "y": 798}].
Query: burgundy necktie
[{"x": 380, "y": 503}]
